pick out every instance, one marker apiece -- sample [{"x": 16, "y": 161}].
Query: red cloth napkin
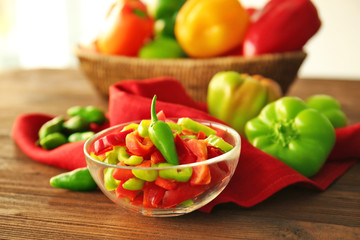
[{"x": 257, "y": 176}]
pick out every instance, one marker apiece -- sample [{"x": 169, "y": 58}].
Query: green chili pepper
[
  {"x": 76, "y": 124},
  {"x": 161, "y": 135},
  {"x": 180, "y": 175},
  {"x": 77, "y": 180},
  {"x": 218, "y": 142},
  {"x": 110, "y": 182},
  {"x": 134, "y": 184},
  {"x": 133, "y": 160},
  {"x": 53, "y": 140},
  {"x": 80, "y": 136},
  {"x": 196, "y": 126},
  {"x": 52, "y": 126},
  {"x": 89, "y": 113}
]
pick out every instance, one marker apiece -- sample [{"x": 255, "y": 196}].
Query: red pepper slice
[
  {"x": 213, "y": 152},
  {"x": 122, "y": 174},
  {"x": 183, "y": 192},
  {"x": 185, "y": 155},
  {"x": 138, "y": 145},
  {"x": 201, "y": 135},
  {"x": 153, "y": 195},
  {"x": 157, "y": 157},
  {"x": 108, "y": 141},
  {"x": 201, "y": 174},
  {"x": 167, "y": 184},
  {"x": 122, "y": 192}
]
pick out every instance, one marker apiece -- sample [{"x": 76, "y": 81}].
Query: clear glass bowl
[{"x": 192, "y": 197}]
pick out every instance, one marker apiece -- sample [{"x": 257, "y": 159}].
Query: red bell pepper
[
  {"x": 281, "y": 26},
  {"x": 108, "y": 141}
]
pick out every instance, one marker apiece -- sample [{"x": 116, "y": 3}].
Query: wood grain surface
[{"x": 31, "y": 209}]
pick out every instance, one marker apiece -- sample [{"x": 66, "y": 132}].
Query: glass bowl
[{"x": 181, "y": 199}]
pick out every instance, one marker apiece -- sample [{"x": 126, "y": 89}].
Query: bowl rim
[{"x": 220, "y": 158}]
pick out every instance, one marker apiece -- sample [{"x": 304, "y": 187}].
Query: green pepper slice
[
  {"x": 218, "y": 142},
  {"x": 180, "y": 175},
  {"x": 195, "y": 126}
]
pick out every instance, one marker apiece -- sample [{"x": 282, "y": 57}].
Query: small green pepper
[
  {"x": 52, "y": 126},
  {"x": 53, "y": 140},
  {"x": 90, "y": 114},
  {"x": 134, "y": 184},
  {"x": 180, "y": 175},
  {"x": 330, "y": 107},
  {"x": 161, "y": 135},
  {"x": 133, "y": 160},
  {"x": 80, "y": 136},
  {"x": 188, "y": 123},
  {"x": 77, "y": 180},
  {"x": 218, "y": 142},
  {"x": 110, "y": 182},
  {"x": 76, "y": 124}
]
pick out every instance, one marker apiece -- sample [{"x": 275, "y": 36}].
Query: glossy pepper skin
[
  {"x": 330, "y": 107},
  {"x": 161, "y": 135},
  {"x": 236, "y": 98},
  {"x": 126, "y": 28},
  {"x": 289, "y": 130},
  {"x": 77, "y": 180},
  {"x": 208, "y": 28},
  {"x": 281, "y": 26}
]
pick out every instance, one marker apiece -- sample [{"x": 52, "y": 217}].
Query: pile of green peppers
[
  {"x": 59, "y": 131},
  {"x": 164, "y": 44}
]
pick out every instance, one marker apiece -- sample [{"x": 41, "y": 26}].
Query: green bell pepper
[
  {"x": 330, "y": 107},
  {"x": 289, "y": 130},
  {"x": 236, "y": 98}
]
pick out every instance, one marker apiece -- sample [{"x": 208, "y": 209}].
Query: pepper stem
[{"x": 153, "y": 111}]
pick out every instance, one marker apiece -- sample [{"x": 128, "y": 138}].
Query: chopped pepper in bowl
[{"x": 163, "y": 167}]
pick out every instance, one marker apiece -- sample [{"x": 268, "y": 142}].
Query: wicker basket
[{"x": 194, "y": 74}]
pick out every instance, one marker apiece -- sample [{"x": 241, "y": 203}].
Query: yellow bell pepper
[
  {"x": 209, "y": 28},
  {"x": 236, "y": 98}
]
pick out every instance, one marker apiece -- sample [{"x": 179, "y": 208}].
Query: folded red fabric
[{"x": 257, "y": 176}]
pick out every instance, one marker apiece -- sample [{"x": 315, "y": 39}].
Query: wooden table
[{"x": 31, "y": 209}]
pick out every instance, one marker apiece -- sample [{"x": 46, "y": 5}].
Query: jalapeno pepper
[
  {"x": 77, "y": 180},
  {"x": 162, "y": 136}
]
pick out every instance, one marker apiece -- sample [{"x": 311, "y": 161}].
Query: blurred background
[{"x": 43, "y": 34}]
